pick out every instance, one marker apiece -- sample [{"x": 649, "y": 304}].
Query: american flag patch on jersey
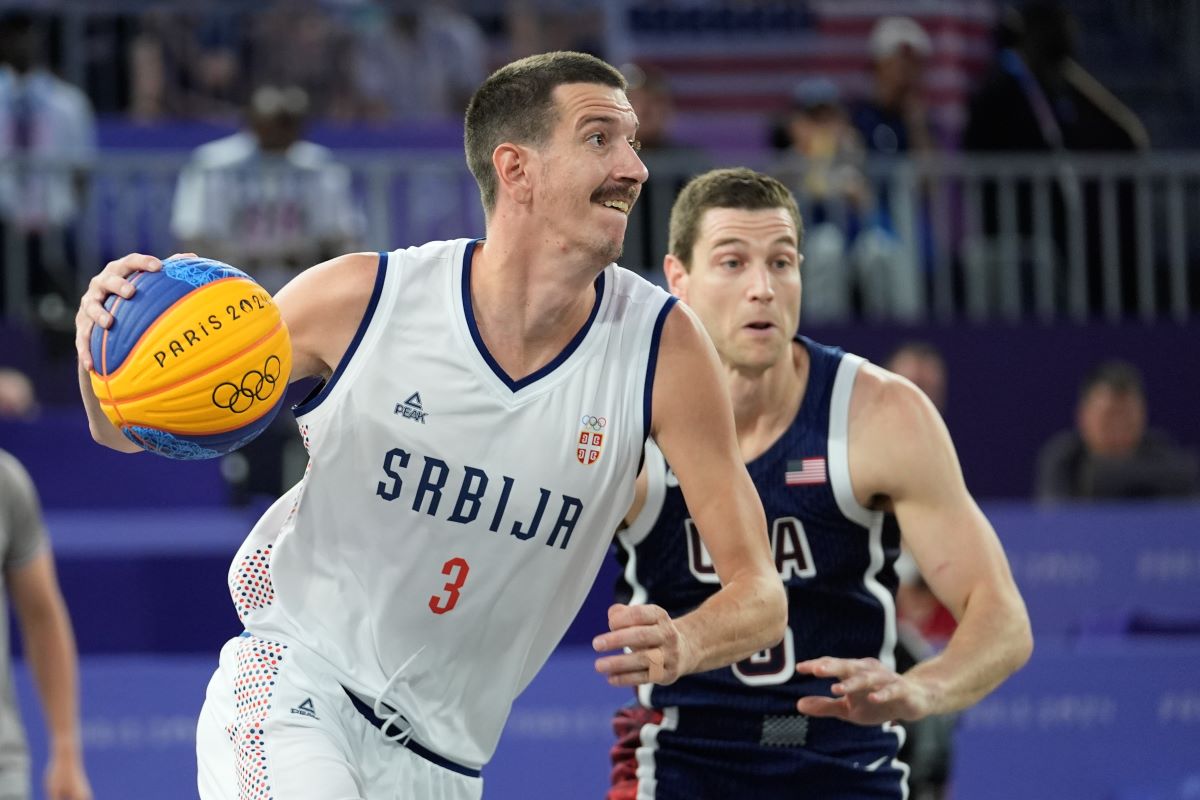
[{"x": 806, "y": 472}]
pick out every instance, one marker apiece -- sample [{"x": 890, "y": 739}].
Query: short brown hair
[
  {"x": 1115, "y": 374},
  {"x": 725, "y": 188},
  {"x": 515, "y": 104}
]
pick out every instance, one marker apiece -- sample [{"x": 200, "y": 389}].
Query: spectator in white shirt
[{"x": 264, "y": 199}]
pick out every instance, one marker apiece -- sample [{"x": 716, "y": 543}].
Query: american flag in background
[{"x": 806, "y": 472}]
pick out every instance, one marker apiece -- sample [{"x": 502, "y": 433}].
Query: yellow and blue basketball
[{"x": 196, "y": 363}]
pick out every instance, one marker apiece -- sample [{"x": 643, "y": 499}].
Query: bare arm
[
  {"x": 900, "y": 450},
  {"x": 321, "y": 307},
  {"x": 50, "y": 650},
  {"x": 749, "y": 612}
]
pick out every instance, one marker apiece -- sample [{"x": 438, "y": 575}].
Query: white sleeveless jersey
[{"x": 452, "y": 520}]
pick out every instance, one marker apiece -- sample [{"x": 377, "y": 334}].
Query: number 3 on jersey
[{"x": 458, "y": 568}]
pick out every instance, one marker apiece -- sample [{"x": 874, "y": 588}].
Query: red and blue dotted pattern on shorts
[
  {"x": 251, "y": 586},
  {"x": 254, "y": 683}
]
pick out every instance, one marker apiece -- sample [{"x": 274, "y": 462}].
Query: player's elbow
[
  {"x": 1017, "y": 636},
  {"x": 1022, "y": 641},
  {"x": 775, "y": 611}
]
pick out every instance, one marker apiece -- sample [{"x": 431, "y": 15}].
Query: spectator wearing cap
[
  {"x": 822, "y": 161},
  {"x": 1111, "y": 454},
  {"x": 852, "y": 264},
  {"x": 817, "y": 131},
  {"x": 894, "y": 120}
]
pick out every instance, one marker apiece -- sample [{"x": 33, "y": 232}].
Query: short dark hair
[
  {"x": 515, "y": 104},
  {"x": 737, "y": 187},
  {"x": 1115, "y": 374}
]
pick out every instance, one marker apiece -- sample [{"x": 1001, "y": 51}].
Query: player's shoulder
[
  {"x": 886, "y": 401},
  {"x": 228, "y": 151},
  {"x": 347, "y": 280}
]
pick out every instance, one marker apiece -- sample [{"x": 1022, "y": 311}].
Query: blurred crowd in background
[{"x": 939, "y": 150}]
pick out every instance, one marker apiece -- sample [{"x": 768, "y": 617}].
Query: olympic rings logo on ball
[
  {"x": 255, "y": 385},
  {"x": 595, "y": 423}
]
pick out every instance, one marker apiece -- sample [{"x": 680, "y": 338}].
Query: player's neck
[
  {"x": 526, "y": 307},
  {"x": 766, "y": 401}
]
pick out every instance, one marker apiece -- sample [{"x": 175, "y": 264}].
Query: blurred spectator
[
  {"x": 49, "y": 644},
  {"x": 420, "y": 61},
  {"x": 263, "y": 199},
  {"x": 17, "y": 399},
  {"x": 894, "y": 120},
  {"x": 849, "y": 259},
  {"x": 1038, "y": 99},
  {"x": 673, "y": 163},
  {"x": 1111, "y": 454},
  {"x": 49, "y": 121},
  {"x": 302, "y": 43},
  {"x": 539, "y": 26},
  {"x": 187, "y": 66},
  {"x": 923, "y": 364}
]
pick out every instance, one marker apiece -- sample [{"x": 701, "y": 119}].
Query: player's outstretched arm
[
  {"x": 900, "y": 448},
  {"x": 693, "y": 426},
  {"x": 321, "y": 306}
]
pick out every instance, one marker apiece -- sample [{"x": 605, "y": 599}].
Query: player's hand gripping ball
[{"x": 195, "y": 364}]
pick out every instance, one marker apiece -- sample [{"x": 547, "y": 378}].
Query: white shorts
[{"x": 276, "y": 724}]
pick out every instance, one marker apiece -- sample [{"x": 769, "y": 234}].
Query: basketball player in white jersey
[
  {"x": 473, "y": 443},
  {"x": 840, "y": 451}
]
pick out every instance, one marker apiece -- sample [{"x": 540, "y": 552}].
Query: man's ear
[
  {"x": 677, "y": 276},
  {"x": 512, "y": 164}
]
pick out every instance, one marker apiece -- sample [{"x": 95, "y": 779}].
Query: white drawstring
[{"x": 389, "y": 721}]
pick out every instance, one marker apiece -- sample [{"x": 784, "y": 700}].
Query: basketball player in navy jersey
[
  {"x": 474, "y": 442},
  {"x": 840, "y": 451}
]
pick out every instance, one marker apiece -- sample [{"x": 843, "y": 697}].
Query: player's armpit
[
  {"x": 323, "y": 307},
  {"x": 693, "y": 426},
  {"x": 640, "y": 488}
]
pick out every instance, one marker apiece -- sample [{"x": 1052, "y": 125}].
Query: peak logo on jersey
[
  {"x": 806, "y": 472},
  {"x": 306, "y": 709},
  {"x": 412, "y": 408},
  {"x": 591, "y": 439}
]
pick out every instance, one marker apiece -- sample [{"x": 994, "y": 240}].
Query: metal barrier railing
[{"x": 977, "y": 238}]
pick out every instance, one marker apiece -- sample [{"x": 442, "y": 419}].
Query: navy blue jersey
[{"x": 835, "y": 557}]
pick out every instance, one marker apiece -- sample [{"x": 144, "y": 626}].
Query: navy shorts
[{"x": 702, "y": 753}]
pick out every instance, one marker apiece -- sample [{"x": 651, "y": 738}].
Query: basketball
[{"x": 195, "y": 364}]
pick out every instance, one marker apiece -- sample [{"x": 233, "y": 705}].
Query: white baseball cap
[{"x": 892, "y": 33}]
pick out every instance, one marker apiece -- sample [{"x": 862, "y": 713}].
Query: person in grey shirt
[
  {"x": 29, "y": 581},
  {"x": 1111, "y": 454}
]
